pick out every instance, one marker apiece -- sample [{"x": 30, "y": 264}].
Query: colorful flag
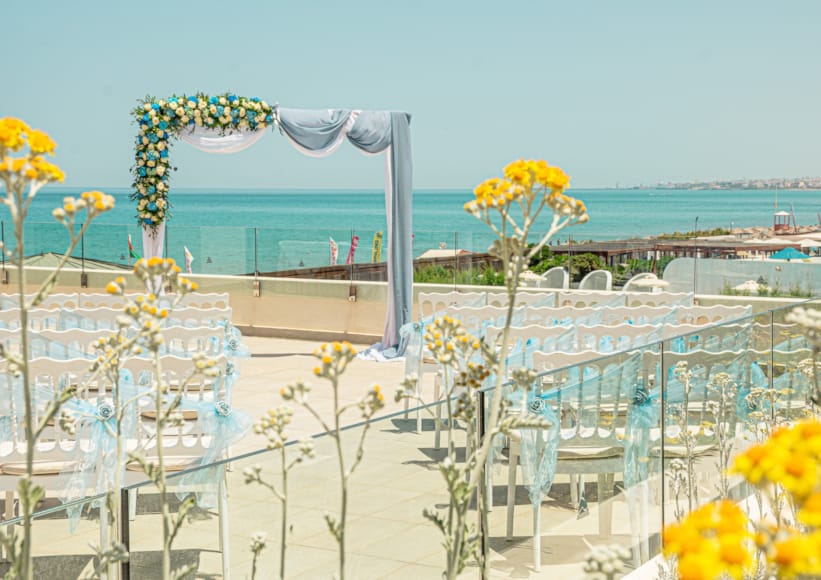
[
  {"x": 131, "y": 251},
  {"x": 334, "y": 251},
  {"x": 188, "y": 259},
  {"x": 376, "y": 250},
  {"x": 352, "y": 250}
]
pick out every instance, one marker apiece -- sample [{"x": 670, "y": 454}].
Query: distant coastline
[{"x": 794, "y": 183}]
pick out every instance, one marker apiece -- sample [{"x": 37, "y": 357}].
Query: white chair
[
  {"x": 593, "y": 416},
  {"x": 597, "y": 280},
  {"x": 556, "y": 277}
]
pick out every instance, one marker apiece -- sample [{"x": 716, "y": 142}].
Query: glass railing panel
[
  {"x": 594, "y": 473},
  {"x": 386, "y": 531},
  {"x": 64, "y": 537}
]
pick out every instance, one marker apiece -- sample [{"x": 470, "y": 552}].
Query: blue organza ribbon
[
  {"x": 645, "y": 414},
  {"x": 223, "y": 426},
  {"x": 96, "y": 462},
  {"x": 539, "y": 451}
]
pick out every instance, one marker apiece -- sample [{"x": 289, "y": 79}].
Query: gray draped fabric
[{"x": 373, "y": 132}]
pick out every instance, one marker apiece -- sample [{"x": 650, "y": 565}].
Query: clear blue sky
[{"x": 614, "y": 92}]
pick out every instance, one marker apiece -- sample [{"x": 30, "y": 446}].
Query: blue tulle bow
[
  {"x": 223, "y": 426},
  {"x": 96, "y": 462}
]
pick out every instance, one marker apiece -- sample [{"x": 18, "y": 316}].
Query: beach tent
[
  {"x": 317, "y": 133},
  {"x": 810, "y": 244},
  {"x": 789, "y": 254}
]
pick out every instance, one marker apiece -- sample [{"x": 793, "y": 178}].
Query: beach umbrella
[
  {"x": 651, "y": 283},
  {"x": 789, "y": 254}
]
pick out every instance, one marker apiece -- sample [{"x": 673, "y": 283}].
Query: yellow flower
[
  {"x": 810, "y": 513},
  {"x": 45, "y": 171},
  {"x": 711, "y": 541},
  {"x": 40, "y": 142},
  {"x": 12, "y": 133}
]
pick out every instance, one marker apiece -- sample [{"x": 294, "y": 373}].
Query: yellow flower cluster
[
  {"x": 791, "y": 457},
  {"x": 712, "y": 542},
  {"x": 791, "y": 552},
  {"x": 334, "y": 358},
  {"x": 14, "y": 135},
  {"x": 527, "y": 179},
  {"x": 446, "y": 336},
  {"x": 148, "y": 269},
  {"x": 94, "y": 202}
]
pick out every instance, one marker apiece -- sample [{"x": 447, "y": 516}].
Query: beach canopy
[
  {"x": 789, "y": 254},
  {"x": 230, "y": 123},
  {"x": 810, "y": 243}
]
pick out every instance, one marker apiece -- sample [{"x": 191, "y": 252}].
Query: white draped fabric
[
  {"x": 211, "y": 141},
  {"x": 153, "y": 240},
  {"x": 319, "y": 134}
]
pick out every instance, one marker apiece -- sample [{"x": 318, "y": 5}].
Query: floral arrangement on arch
[{"x": 160, "y": 120}]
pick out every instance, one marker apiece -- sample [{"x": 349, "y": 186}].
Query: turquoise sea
[{"x": 227, "y": 231}]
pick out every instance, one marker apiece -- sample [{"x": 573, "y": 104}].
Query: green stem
[
  {"x": 161, "y": 481},
  {"x": 27, "y": 570},
  {"x": 343, "y": 479},
  {"x": 284, "y": 528}
]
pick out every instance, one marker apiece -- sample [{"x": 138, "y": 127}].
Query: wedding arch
[{"x": 229, "y": 123}]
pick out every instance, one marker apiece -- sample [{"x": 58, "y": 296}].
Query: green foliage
[
  {"x": 764, "y": 291},
  {"x": 474, "y": 276},
  {"x": 695, "y": 234}
]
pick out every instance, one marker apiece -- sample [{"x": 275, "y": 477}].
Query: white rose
[
  {"x": 161, "y": 103},
  {"x": 140, "y": 162},
  {"x": 184, "y": 119},
  {"x": 155, "y": 121},
  {"x": 227, "y": 112},
  {"x": 201, "y": 104},
  {"x": 198, "y": 121},
  {"x": 147, "y": 107},
  {"x": 242, "y": 111},
  {"x": 160, "y": 170},
  {"x": 213, "y": 109},
  {"x": 222, "y": 101},
  {"x": 264, "y": 104},
  {"x": 160, "y": 203},
  {"x": 145, "y": 141},
  {"x": 160, "y": 145},
  {"x": 150, "y": 163}
]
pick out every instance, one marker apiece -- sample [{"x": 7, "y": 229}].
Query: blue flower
[
  {"x": 151, "y": 155},
  {"x": 147, "y": 221},
  {"x": 213, "y": 101},
  {"x": 269, "y": 118},
  {"x": 155, "y": 106},
  {"x": 172, "y": 100},
  {"x": 146, "y": 118},
  {"x": 192, "y": 99},
  {"x": 153, "y": 138},
  {"x": 141, "y": 171},
  {"x": 220, "y": 109},
  {"x": 255, "y": 99},
  {"x": 163, "y": 125},
  {"x": 232, "y": 98},
  {"x": 164, "y": 153},
  {"x": 152, "y": 206},
  {"x": 151, "y": 189}
]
